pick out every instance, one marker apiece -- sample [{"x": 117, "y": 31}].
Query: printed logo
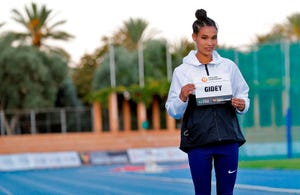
[
  {"x": 186, "y": 133},
  {"x": 230, "y": 172},
  {"x": 204, "y": 79}
]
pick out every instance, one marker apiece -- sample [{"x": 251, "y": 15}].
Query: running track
[{"x": 129, "y": 180}]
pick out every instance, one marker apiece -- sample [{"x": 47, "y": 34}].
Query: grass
[{"x": 292, "y": 164}]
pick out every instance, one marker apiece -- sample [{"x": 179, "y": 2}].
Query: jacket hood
[{"x": 191, "y": 58}]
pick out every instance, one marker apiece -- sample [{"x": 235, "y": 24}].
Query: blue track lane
[{"x": 105, "y": 180}]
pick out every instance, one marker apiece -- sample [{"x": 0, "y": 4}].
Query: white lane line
[
  {"x": 239, "y": 186},
  {"x": 5, "y": 191},
  {"x": 112, "y": 189},
  {"x": 38, "y": 184},
  {"x": 268, "y": 189}
]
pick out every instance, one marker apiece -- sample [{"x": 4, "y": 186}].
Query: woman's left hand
[{"x": 238, "y": 103}]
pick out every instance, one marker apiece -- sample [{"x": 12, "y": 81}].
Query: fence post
[
  {"x": 32, "y": 122},
  {"x": 63, "y": 121},
  {"x": 2, "y": 122}
]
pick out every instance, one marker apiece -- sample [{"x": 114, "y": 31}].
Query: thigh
[
  {"x": 200, "y": 162},
  {"x": 226, "y": 165}
]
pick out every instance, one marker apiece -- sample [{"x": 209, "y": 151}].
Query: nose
[{"x": 210, "y": 42}]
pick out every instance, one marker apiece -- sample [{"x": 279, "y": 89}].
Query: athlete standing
[{"x": 208, "y": 91}]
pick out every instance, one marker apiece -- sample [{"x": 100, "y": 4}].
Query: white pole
[
  {"x": 112, "y": 66},
  {"x": 169, "y": 63},
  {"x": 287, "y": 98},
  {"x": 141, "y": 64},
  {"x": 63, "y": 121},
  {"x": 2, "y": 126},
  {"x": 287, "y": 72},
  {"x": 32, "y": 122}
]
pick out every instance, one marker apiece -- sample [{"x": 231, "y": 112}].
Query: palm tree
[
  {"x": 278, "y": 32},
  {"x": 294, "y": 23},
  {"x": 128, "y": 36},
  {"x": 37, "y": 23},
  {"x": 132, "y": 31},
  {"x": 181, "y": 49},
  {"x": 289, "y": 30}
]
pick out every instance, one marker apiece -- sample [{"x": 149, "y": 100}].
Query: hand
[
  {"x": 238, "y": 103},
  {"x": 186, "y": 91}
]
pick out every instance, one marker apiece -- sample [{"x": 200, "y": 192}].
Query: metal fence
[{"x": 54, "y": 120}]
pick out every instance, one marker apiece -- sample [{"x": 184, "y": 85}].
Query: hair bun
[{"x": 201, "y": 14}]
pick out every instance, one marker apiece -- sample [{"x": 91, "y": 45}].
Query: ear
[{"x": 194, "y": 36}]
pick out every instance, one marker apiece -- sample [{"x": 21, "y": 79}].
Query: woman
[{"x": 208, "y": 91}]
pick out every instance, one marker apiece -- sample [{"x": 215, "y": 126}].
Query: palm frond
[
  {"x": 56, "y": 24},
  {"x": 18, "y": 17},
  {"x": 59, "y": 35}
]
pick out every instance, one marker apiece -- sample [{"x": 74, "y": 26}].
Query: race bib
[{"x": 213, "y": 89}]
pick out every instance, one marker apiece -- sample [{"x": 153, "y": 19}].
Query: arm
[
  {"x": 178, "y": 96},
  {"x": 240, "y": 90}
]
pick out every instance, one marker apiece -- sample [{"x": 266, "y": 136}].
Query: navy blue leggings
[{"x": 225, "y": 160}]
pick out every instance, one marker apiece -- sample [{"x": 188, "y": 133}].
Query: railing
[{"x": 52, "y": 120}]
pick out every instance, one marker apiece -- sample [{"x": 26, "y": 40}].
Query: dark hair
[{"x": 202, "y": 20}]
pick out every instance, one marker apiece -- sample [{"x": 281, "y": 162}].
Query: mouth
[{"x": 209, "y": 49}]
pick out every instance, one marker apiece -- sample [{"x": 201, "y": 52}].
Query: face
[{"x": 206, "y": 40}]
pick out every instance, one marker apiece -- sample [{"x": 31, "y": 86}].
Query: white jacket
[{"x": 183, "y": 75}]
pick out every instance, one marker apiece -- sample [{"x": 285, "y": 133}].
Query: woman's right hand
[{"x": 186, "y": 90}]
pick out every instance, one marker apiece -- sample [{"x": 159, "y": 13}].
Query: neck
[{"x": 204, "y": 59}]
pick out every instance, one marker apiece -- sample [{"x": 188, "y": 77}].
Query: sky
[{"x": 239, "y": 21}]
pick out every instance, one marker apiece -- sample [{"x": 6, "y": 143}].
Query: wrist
[{"x": 183, "y": 98}]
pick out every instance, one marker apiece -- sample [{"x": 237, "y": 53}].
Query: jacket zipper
[
  {"x": 206, "y": 69},
  {"x": 216, "y": 122}
]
